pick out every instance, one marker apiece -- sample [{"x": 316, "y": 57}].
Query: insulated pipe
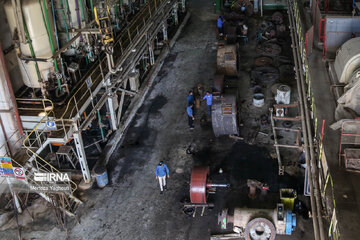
[
  {"x": 301, "y": 105},
  {"x": 11, "y": 91},
  {"x": 314, "y": 170}
]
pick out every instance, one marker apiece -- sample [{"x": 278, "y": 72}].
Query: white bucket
[
  {"x": 258, "y": 100},
  {"x": 283, "y": 94}
]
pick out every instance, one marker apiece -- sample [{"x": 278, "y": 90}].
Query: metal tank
[
  {"x": 347, "y": 60},
  {"x": 224, "y": 115},
  {"x": 40, "y": 44},
  {"x": 227, "y": 62}
]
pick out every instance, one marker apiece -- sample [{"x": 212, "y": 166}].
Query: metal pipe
[
  {"x": 77, "y": 14},
  {"x": 209, "y": 185},
  {"x": 301, "y": 102},
  {"x": 11, "y": 91},
  {"x": 100, "y": 126},
  {"x": 314, "y": 170},
  {"x": 50, "y": 39},
  {"x": 57, "y": 37},
  {"x": 28, "y": 39}
]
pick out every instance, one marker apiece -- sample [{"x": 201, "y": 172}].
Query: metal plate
[{"x": 198, "y": 182}]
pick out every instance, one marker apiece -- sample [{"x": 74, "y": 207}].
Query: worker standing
[
  {"x": 190, "y": 98},
  {"x": 220, "y": 22},
  {"x": 208, "y": 96},
  {"x": 190, "y": 114},
  {"x": 161, "y": 172}
]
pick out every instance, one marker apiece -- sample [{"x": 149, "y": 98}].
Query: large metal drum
[
  {"x": 227, "y": 60},
  {"x": 198, "y": 188},
  {"x": 224, "y": 115}
]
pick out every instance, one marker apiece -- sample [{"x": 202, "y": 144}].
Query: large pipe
[
  {"x": 303, "y": 125},
  {"x": 47, "y": 24},
  {"x": 57, "y": 37},
  {"x": 314, "y": 170},
  {"x": 11, "y": 91}
]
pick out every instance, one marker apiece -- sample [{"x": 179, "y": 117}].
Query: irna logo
[{"x": 51, "y": 177}]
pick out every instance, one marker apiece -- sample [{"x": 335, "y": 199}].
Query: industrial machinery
[
  {"x": 227, "y": 59},
  {"x": 75, "y": 68},
  {"x": 259, "y": 224},
  {"x": 200, "y": 187},
  {"x": 224, "y": 115}
]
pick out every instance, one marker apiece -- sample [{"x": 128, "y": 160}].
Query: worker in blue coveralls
[
  {"x": 209, "y": 97},
  {"x": 161, "y": 172},
  {"x": 220, "y": 22},
  {"x": 190, "y": 113},
  {"x": 190, "y": 98}
]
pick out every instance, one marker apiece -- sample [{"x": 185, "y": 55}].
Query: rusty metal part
[
  {"x": 224, "y": 115},
  {"x": 277, "y": 17},
  {"x": 263, "y": 61},
  {"x": 253, "y": 185},
  {"x": 230, "y": 33},
  {"x": 218, "y": 83},
  {"x": 198, "y": 188},
  {"x": 227, "y": 62},
  {"x": 249, "y": 8},
  {"x": 268, "y": 49},
  {"x": 265, "y": 74},
  {"x": 260, "y": 229}
]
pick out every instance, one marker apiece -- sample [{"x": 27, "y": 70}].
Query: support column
[
  {"x": 183, "y": 8},
  {"x": 151, "y": 54},
  {"x": 121, "y": 102},
  {"x": 175, "y": 15},
  {"x": 112, "y": 112},
  {"x": 81, "y": 154},
  {"x": 16, "y": 200},
  {"x": 164, "y": 30}
]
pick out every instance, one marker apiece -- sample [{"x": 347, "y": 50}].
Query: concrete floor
[{"x": 130, "y": 207}]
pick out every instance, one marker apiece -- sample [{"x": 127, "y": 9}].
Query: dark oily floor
[{"x": 130, "y": 207}]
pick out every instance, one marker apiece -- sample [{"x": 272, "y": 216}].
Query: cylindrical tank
[
  {"x": 283, "y": 94},
  {"x": 227, "y": 60},
  {"x": 347, "y": 60},
  {"x": 224, "y": 115},
  {"x": 33, "y": 17}
]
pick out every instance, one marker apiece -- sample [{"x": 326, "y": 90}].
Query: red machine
[{"x": 200, "y": 187}]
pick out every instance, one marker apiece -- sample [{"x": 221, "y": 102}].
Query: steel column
[
  {"x": 112, "y": 112},
  {"x": 164, "y": 30},
  {"x": 151, "y": 54},
  {"x": 81, "y": 154}
]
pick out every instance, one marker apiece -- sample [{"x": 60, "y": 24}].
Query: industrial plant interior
[{"x": 180, "y": 119}]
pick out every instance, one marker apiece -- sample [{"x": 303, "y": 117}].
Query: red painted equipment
[{"x": 200, "y": 185}]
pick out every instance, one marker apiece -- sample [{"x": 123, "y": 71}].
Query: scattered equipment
[
  {"x": 200, "y": 187},
  {"x": 259, "y": 224}
]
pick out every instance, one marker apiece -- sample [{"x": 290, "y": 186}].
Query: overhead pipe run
[
  {"x": 306, "y": 129},
  {"x": 314, "y": 170}
]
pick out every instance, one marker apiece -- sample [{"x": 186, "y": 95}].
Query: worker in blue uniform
[
  {"x": 220, "y": 23},
  {"x": 208, "y": 97},
  {"x": 190, "y": 113},
  {"x": 190, "y": 98},
  {"x": 160, "y": 173}
]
